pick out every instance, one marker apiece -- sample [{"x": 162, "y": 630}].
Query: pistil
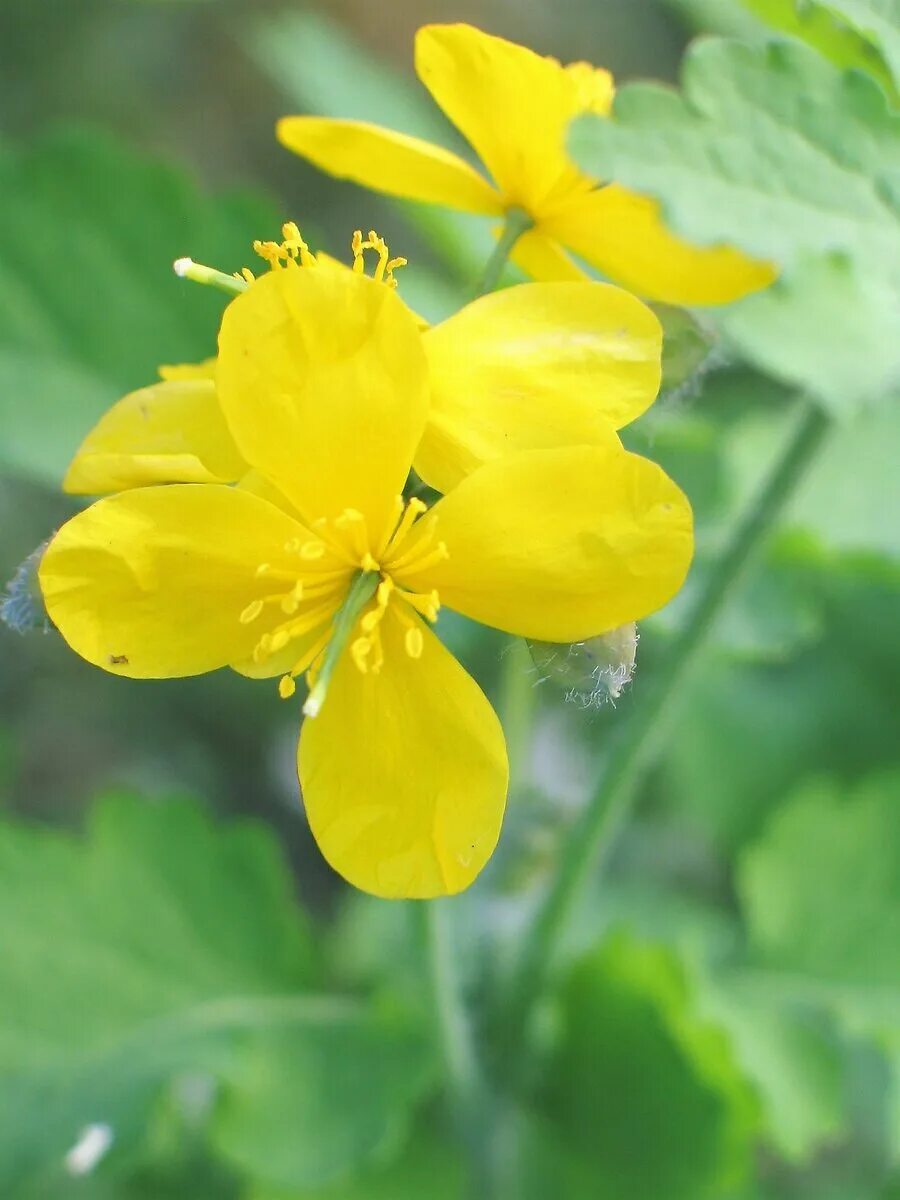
[{"x": 362, "y": 589}]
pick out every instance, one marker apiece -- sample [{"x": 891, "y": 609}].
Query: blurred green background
[{"x": 177, "y": 963}]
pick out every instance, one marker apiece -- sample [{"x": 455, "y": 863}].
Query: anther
[
  {"x": 411, "y": 514},
  {"x": 251, "y": 612},
  {"x": 414, "y": 641},
  {"x": 286, "y": 687},
  {"x": 290, "y": 602}
]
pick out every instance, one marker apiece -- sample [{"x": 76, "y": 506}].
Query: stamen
[
  {"x": 353, "y": 523},
  {"x": 412, "y": 565},
  {"x": 399, "y": 506},
  {"x": 373, "y": 618},
  {"x": 411, "y": 514},
  {"x": 385, "y": 267},
  {"x": 271, "y": 643},
  {"x": 414, "y": 641},
  {"x": 285, "y": 254},
  {"x": 295, "y": 246},
  {"x": 428, "y": 604},
  {"x": 251, "y": 612},
  {"x": 359, "y": 651},
  {"x": 291, "y": 601},
  {"x": 286, "y": 687}
]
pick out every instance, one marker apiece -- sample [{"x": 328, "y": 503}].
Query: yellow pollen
[
  {"x": 426, "y": 603},
  {"x": 353, "y": 524},
  {"x": 385, "y": 267},
  {"x": 286, "y": 687},
  {"x": 291, "y": 601},
  {"x": 412, "y": 563},
  {"x": 414, "y": 641},
  {"x": 359, "y": 651},
  {"x": 414, "y": 509},
  {"x": 282, "y": 254},
  {"x": 310, "y": 551},
  {"x": 251, "y": 612}
]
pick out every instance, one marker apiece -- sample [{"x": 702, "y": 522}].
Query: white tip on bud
[
  {"x": 93, "y": 1142},
  {"x": 312, "y": 705},
  {"x": 182, "y": 267}
]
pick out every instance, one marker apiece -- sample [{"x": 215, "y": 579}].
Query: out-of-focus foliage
[
  {"x": 635, "y": 1066},
  {"x": 162, "y": 952},
  {"x": 88, "y": 302},
  {"x": 773, "y": 150},
  {"x": 850, "y": 33},
  {"x": 821, "y": 894},
  {"x": 724, "y": 1019}
]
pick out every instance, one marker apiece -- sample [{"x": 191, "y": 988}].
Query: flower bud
[{"x": 591, "y": 672}]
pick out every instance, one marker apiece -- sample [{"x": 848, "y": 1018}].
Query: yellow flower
[
  {"x": 514, "y": 107},
  {"x": 534, "y": 366},
  {"x": 323, "y": 381}
]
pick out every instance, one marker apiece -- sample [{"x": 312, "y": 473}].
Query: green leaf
[
  {"x": 639, "y": 1087},
  {"x": 771, "y": 149},
  {"x": 747, "y": 733},
  {"x": 427, "y": 1168},
  {"x": 89, "y": 305},
  {"x": 821, "y": 894},
  {"x": 850, "y": 33},
  {"x": 162, "y": 947},
  {"x": 792, "y": 1063}
]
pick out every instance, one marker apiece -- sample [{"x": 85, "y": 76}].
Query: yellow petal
[
  {"x": 512, "y": 105},
  {"x": 561, "y": 545},
  {"x": 151, "y": 583},
  {"x": 323, "y": 259},
  {"x": 388, "y": 162},
  {"x": 623, "y": 235},
  {"x": 532, "y": 367},
  {"x": 404, "y": 772},
  {"x": 323, "y": 381},
  {"x": 543, "y": 258},
  {"x": 170, "y": 432}
]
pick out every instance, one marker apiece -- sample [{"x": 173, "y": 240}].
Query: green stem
[
  {"x": 517, "y": 222},
  {"x": 593, "y": 834},
  {"x": 468, "y": 1094}
]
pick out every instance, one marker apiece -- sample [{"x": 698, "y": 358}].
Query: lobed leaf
[
  {"x": 162, "y": 948},
  {"x": 771, "y": 149}
]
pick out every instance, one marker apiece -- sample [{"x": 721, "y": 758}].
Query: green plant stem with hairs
[
  {"x": 591, "y": 838},
  {"x": 469, "y": 1095}
]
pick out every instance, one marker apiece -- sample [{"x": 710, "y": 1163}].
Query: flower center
[{"x": 337, "y": 596}]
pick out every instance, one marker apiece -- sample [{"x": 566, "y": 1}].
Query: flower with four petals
[
  {"x": 314, "y": 564},
  {"x": 514, "y": 107},
  {"x": 530, "y": 367}
]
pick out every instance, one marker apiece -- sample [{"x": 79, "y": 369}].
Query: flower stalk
[
  {"x": 517, "y": 222},
  {"x": 593, "y": 835}
]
